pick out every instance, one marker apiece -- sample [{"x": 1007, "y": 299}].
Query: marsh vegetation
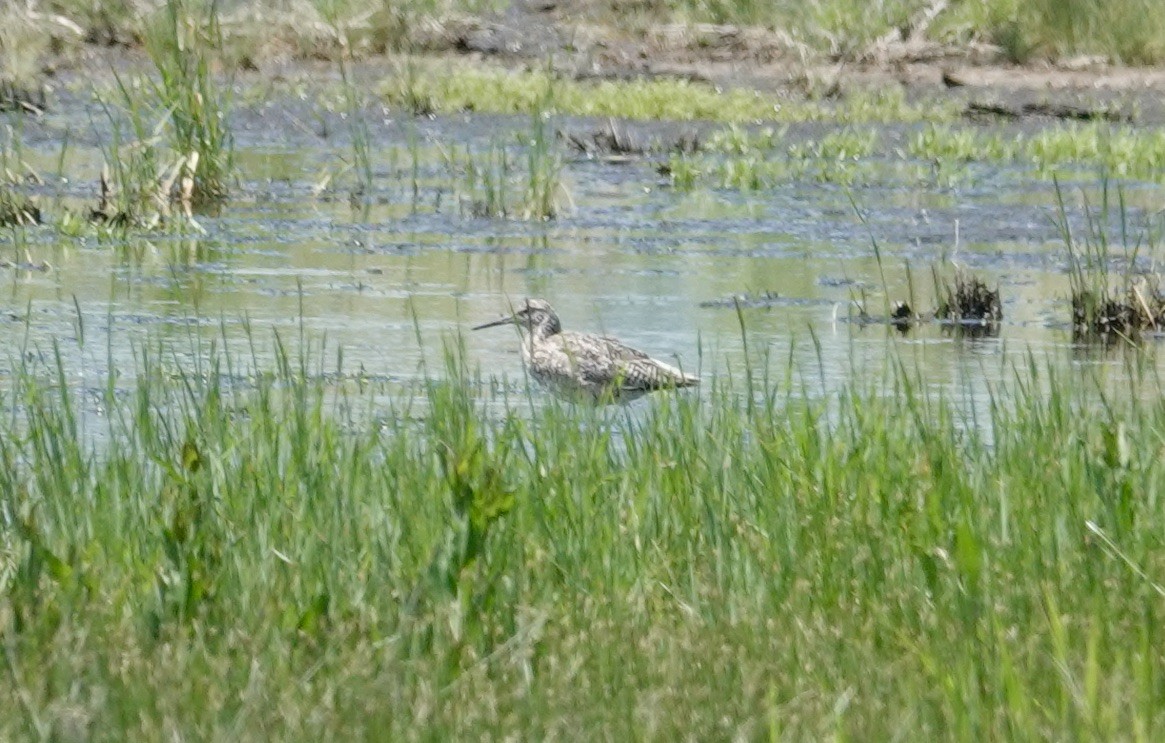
[
  {"x": 255, "y": 484},
  {"x": 460, "y": 565}
]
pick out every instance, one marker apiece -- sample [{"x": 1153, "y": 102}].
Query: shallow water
[{"x": 393, "y": 277}]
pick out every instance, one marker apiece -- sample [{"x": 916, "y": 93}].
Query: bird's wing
[
  {"x": 650, "y": 374},
  {"x": 642, "y": 372},
  {"x": 605, "y": 360},
  {"x": 616, "y": 348}
]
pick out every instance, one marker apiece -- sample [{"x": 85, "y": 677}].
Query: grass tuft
[
  {"x": 1126, "y": 31},
  {"x": 1123, "y": 31},
  {"x": 490, "y": 183},
  {"x": 1102, "y": 306},
  {"x": 182, "y": 41}
]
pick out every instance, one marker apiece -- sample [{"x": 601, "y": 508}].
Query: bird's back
[{"x": 601, "y": 366}]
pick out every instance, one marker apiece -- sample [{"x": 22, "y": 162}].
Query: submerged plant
[
  {"x": 545, "y": 193},
  {"x": 486, "y": 181},
  {"x": 359, "y": 135},
  {"x": 490, "y": 184}
]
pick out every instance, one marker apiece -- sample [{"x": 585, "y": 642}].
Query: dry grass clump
[
  {"x": 256, "y": 31},
  {"x": 1139, "y": 308},
  {"x": 28, "y": 36},
  {"x": 18, "y": 97},
  {"x": 16, "y": 209},
  {"x": 130, "y": 199},
  {"x": 967, "y": 300}
]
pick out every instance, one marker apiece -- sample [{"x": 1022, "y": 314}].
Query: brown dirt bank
[
  {"x": 539, "y": 32},
  {"x": 732, "y": 56}
]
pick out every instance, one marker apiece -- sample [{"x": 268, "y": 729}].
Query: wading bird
[{"x": 586, "y": 366}]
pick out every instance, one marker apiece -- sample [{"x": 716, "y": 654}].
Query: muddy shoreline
[{"x": 546, "y": 35}]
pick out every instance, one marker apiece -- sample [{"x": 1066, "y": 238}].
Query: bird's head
[{"x": 533, "y": 315}]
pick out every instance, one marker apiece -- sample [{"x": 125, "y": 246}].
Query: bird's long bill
[{"x": 494, "y": 324}]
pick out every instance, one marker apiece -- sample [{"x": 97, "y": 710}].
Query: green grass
[
  {"x": 1125, "y": 31},
  {"x": 838, "y": 27},
  {"x": 762, "y": 160},
  {"x": 241, "y": 553},
  {"x": 963, "y": 144},
  {"x": 1121, "y": 150},
  {"x": 171, "y": 149},
  {"x": 354, "y": 101},
  {"x": 737, "y": 158},
  {"x": 1128, "y": 31},
  {"x": 135, "y": 188},
  {"x": 182, "y": 43},
  {"x": 523, "y": 181},
  {"x": 455, "y": 87}
]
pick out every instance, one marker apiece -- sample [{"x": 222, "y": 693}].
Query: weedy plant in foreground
[{"x": 246, "y": 552}]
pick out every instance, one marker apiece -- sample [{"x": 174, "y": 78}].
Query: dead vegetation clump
[
  {"x": 965, "y": 305},
  {"x": 17, "y": 210},
  {"x": 903, "y": 317},
  {"x": 30, "y": 43},
  {"x": 146, "y": 203},
  {"x": 1115, "y": 288},
  {"x": 27, "y": 99},
  {"x": 967, "y": 300},
  {"x": 1140, "y": 308}
]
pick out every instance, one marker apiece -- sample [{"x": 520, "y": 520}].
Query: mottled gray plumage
[{"x": 593, "y": 367}]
